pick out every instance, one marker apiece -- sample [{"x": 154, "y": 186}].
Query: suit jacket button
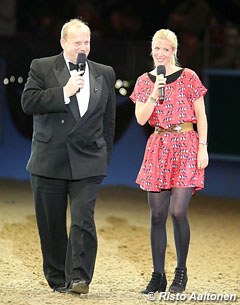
[{"x": 62, "y": 121}]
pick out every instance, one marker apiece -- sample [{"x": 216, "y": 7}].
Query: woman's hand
[
  {"x": 160, "y": 82},
  {"x": 202, "y": 157}
]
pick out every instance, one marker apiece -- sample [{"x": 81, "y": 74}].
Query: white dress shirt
[{"x": 84, "y": 94}]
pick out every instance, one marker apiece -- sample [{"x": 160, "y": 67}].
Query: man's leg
[
  {"x": 50, "y": 199},
  {"x": 82, "y": 246}
]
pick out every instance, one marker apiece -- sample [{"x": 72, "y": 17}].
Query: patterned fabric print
[
  {"x": 177, "y": 107},
  {"x": 170, "y": 159}
]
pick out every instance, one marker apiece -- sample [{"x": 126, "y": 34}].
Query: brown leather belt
[{"x": 175, "y": 128}]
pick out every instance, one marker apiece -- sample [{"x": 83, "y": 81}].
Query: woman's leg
[
  {"x": 159, "y": 204},
  {"x": 179, "y": 201},
  {"x": 180, "y": 198}
]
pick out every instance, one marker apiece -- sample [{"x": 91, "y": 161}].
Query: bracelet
[
  {"x": 153, "y": 100},
  {"x": 203, "y": 143}
]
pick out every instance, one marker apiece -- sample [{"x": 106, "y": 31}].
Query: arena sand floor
[{"x": 123, "y": 264}]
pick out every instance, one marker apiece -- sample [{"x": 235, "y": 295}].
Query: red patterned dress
[{"x": 170, "y": 159}]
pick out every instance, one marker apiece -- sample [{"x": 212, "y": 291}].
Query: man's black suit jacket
[{"x": 65, "y": 146}]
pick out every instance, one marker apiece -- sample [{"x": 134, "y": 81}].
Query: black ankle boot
[
  {"x": 180, "y": 281},
  {"x": 158, "y": 283}
]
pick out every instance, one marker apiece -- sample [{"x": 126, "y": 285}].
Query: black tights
[{"x": 176, "y": 200}]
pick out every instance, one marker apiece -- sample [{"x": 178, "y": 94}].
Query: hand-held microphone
[
  {"x": 161, "y": 70},
  {"x": 81, "y": 62}
]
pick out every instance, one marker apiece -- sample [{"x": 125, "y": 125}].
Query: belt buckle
[
  {"x": 159, "y": 130},
  {"x": 177, "y": 128}
]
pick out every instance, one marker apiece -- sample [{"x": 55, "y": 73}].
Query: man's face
[{"x": 77, "y": 41}]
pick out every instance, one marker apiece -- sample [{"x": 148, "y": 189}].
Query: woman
[{"x": 175, "y": 155}]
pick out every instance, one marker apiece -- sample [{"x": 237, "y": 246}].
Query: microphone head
[
  {"x": 81, "y": 61},
  {"x": 161, "y": 70}
]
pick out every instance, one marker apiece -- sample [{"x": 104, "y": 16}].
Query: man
[{"x": 73, "y": 131}]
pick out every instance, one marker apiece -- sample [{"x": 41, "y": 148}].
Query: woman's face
[{"x": 162, "y": 52}]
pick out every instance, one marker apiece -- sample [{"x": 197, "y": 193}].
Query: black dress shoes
[
  {"x": 78, "y": 286},
  {"x": 180, "y": 281},
  {"x": 158, "y": 283},
  {"x": 60, "y": 288}
]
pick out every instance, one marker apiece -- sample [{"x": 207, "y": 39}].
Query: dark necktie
[{"x": 73, "y": 98}]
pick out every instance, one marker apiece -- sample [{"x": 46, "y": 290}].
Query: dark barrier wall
[
  {"x": 223, "y": 107},
  {"x": 2, "y": 69},
  {"x": 222, "y": 175}
]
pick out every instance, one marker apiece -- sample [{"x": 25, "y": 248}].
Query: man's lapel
[{"x": 62, "y": 75}]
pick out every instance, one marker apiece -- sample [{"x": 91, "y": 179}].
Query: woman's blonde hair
[{"x": 172, "y": 38}]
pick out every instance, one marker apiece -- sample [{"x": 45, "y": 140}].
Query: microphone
[
  {"x": 81, "y": 62},
  {"x": 161, "y": 70}
]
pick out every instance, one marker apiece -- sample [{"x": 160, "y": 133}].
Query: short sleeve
[
  {"x": 195, "y": 87},
  {"x": 141, "y": 89},
  {"x": 135, "y": 94}
]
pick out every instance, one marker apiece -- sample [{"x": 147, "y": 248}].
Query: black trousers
[{"x": 69, "y": 250}]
